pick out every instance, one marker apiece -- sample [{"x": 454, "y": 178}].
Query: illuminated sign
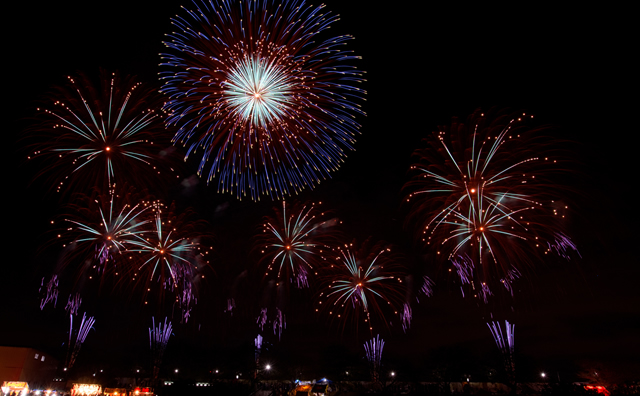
[
  {"x": 86, "y": 390},
  {"x": 143, "y": 391},
  {"x": 19, "y": 387},
  {"x": 14, "y": 384}
]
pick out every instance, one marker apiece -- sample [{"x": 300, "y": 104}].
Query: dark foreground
[{"x": 353, "y": 388}]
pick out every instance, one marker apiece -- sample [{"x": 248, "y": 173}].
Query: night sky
[{"x": 569, "y": 67}]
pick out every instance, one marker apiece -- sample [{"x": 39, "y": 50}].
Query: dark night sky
[{"x": 569, "y": 67}]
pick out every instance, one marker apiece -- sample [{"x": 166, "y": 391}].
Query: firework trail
[
  {"x": 231, "y": 304},
  {"x": 94, "y": 136},
  {"x": 158, "y": 340},
  {"x": 563, "y": 246},
  {"x": 86, "y": 324},
  {"x": 361, "y": 280},
  {"x": 51, "y": 293},
  {"x": 279, "y": 323},
  {"x": 484, "y": 194},
  {"x": 373, "y": 349},
  {"x": 186, "y": 300},
  {"x": 258, "y": 344},
  {"x": 507, "y": 281},
  {"x": 427, "y": 286},
  {"x": 73, "y": 304},
  {"x": 406, "y": 317},
  {"x": 260, "y": 88},
  {"x": 262, "y": 318},
  {"x": 505, "y": 341}
]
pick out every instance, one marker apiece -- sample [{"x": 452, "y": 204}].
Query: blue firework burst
[{"x": 263, "y": 92}]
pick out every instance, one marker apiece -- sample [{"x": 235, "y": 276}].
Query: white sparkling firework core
[{"x": 259, "y": 91}]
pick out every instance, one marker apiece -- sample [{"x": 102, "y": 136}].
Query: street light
[
  {"x": 268, "y": 367},
  {"x": 543, "y": 375}
]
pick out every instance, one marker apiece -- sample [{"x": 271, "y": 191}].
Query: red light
[{"x": 599, "y": 388}]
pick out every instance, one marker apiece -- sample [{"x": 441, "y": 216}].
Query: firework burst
[
  {"x": 268, "y": 98},
  {"x": 484, "y": 193},
  {"x": 103, "y": 229},
  {"x": 169, "y": 254},
  {"x": 363, "y": 285},
  {"x": 296, "y": 240},
  {"x": 95, "y": 136}
]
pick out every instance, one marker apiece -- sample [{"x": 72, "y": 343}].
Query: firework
[
  {"x": 158, "y": 339},
  {"x": 94, "y": 136},
  {"x": 563, "y": 246},
  {"x": 279, "y": 323},
  {"x": 76, "y": 342},
  {"x": 505, "y": 341},
  {"x": 295, "y": 240},
  {"x": 484, "y": 193},
  {"x": 427, "y": 286},
  {"x": 73, "y": 304},
  {"x": 231, "y": 304},
  {"x": 168, "y": 254},
  {"x": 260, "y": 88},
  {"x": 258, "y": 344},
  {"x": 104, "y": 229},
  {"x": 186, "y": 300},
  {"x": 262, "y": 318},
  {"x": 51, "y": 292},
  {"x": 373, "y": 349},
  {"x": 361, "y": 283},
  {"x": 406, "y": 316},
  {"x": 293, "y": 243}
]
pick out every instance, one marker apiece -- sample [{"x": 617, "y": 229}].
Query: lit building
[{"x": 27, "y": 364}]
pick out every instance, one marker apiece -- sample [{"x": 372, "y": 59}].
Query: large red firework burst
[{"x": 485, "y": 195}]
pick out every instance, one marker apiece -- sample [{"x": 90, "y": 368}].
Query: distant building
[{"x": 27, "y": 364}]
